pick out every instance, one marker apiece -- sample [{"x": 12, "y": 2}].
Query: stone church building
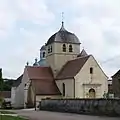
[{"x": 62, "y": 71}]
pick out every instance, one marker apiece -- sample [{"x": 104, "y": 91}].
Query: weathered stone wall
[{"x": 109, "y": 107}]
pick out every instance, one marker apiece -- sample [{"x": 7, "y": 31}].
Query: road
[{"x": 45, "y": 115}]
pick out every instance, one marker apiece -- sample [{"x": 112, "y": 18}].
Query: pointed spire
[
  {"x": 83, "y": 53},
  {"x": 62, "y": 27}
]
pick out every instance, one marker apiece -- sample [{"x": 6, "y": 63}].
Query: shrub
[{"x": 1, "y": 102}]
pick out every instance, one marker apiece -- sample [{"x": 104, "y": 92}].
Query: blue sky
[{"x": 25, "y": 25}]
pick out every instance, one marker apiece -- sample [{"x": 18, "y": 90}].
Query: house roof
[
  {"x": 43, "y": 48},
  {"x": 116, "y": 74},
  {"x": 43, "y": 80},
  {"x": 40, "y": 73},
  {"x": 43, "y": 87},
  {"x": 5, "y": 94},
  {"x": 17, "y": 81},
  {"x": 71, "y": 68}
]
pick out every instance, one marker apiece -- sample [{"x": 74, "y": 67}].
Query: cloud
[
  {"x": 97, "y": 24},
  {"x": 35, "y": 11},
  {"x": 27, "y": 24},
  {"x": 22, "y": 33}
]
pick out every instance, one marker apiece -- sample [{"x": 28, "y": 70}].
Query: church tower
[{"x": 60, "y": 48}]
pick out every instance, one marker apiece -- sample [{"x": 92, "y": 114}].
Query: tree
[{"x": 1, "y": 80}]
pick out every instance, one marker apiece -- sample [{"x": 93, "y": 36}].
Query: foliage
[
  {"x": 1, "y": 101},
  {"x": 8, "y": 83},
  {"x": 1, "y": 80},
  {"x": 5, "y": 84},
  {"x": 6, "y": 105}
]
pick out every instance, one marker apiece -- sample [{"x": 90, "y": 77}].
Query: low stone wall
[{"x": 109, "y": 107}]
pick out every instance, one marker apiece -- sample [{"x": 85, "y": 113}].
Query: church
[{"x": 63, "y": 71}]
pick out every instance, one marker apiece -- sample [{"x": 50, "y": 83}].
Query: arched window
[
  {"x": 51, "y": 49},
  {"x": 63, "y": 85},
  {"x": 43, "y": 54},
  {"x": 64, "y": 48},
  {"x": 91, "y": 70},
  {"x": 70, "y": 48}
]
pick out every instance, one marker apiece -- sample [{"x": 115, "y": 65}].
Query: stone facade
[
  {"x": 109, "y": 107},
  {"x": 69, "y": 87},
  {"x": 86, "y": 81},
  {"x": 83, "y": 82},
  {"x": 57, "y": 58}
]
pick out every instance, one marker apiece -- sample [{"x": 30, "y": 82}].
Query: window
[
  {"x": 70, "y": 48},
  {"x": 43, "y": 54},
  {"x": 91, "y": 70},
  {"x": 51, "y": 49},
  {"x": 63, "y": 89},
  {"x": 48, "y": 49},
  {"x": 64, "y": 48}
]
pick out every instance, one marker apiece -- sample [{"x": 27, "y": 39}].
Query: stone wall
[{"x": 110, "y": 107}]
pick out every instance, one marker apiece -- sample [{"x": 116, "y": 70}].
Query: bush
[
  {"x": 6, "y": 105},
  {"x": 1, "y": 102}
]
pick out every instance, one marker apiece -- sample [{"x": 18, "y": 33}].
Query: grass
[
  {"x": 6, "y": 112},
  {"x": 5, "y": 117}
]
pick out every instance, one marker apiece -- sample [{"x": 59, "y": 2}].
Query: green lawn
[
  {"x": 6, "y": 112},
  {"x": 4, "y": 117}
]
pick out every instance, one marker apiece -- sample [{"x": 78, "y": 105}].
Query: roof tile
[
  {"x": 43, "y": 80},
  {"x": 71, "y": 68}
]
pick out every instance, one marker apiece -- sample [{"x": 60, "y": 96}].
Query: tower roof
[
  {"x": 83, "y": 53},
  {"x": 43, "y": 48},
  {"x": 63, "y": 36}
]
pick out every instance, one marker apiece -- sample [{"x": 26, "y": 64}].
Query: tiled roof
[
  {"x": 43, "y": 48},
  {"x": 40, "y": 73},
  {"x": 43, "y": 80},
  {"x": 63, "y": 36},
  {"x": 43, "y": 87},
  {"x": 5, "y": 94},
  {"x": 116, "y": 74},
  {"x": 18, "y": 81},
  {"x": 71, "y": 68}
]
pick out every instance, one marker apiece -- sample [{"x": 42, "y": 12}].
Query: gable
[
  {"x": 25, "y": 77},
  {"x": 71, "y": 68},
  {"x": 92, "y": 63}
]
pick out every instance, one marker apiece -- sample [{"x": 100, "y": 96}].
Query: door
[{"x": 92, "y": 93}]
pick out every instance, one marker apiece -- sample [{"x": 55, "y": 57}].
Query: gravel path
[{"x": 45, "y": 115}]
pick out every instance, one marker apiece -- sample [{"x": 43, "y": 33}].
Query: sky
[{"x": 25, "y": 25}]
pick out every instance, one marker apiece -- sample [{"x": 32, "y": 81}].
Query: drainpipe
[{"x": 74, "y": 86}]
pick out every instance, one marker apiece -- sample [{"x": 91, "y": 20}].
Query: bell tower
[{"x": 60, "y": 48}]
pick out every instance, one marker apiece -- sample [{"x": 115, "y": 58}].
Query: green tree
[{"x": 1, "y": 80}]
